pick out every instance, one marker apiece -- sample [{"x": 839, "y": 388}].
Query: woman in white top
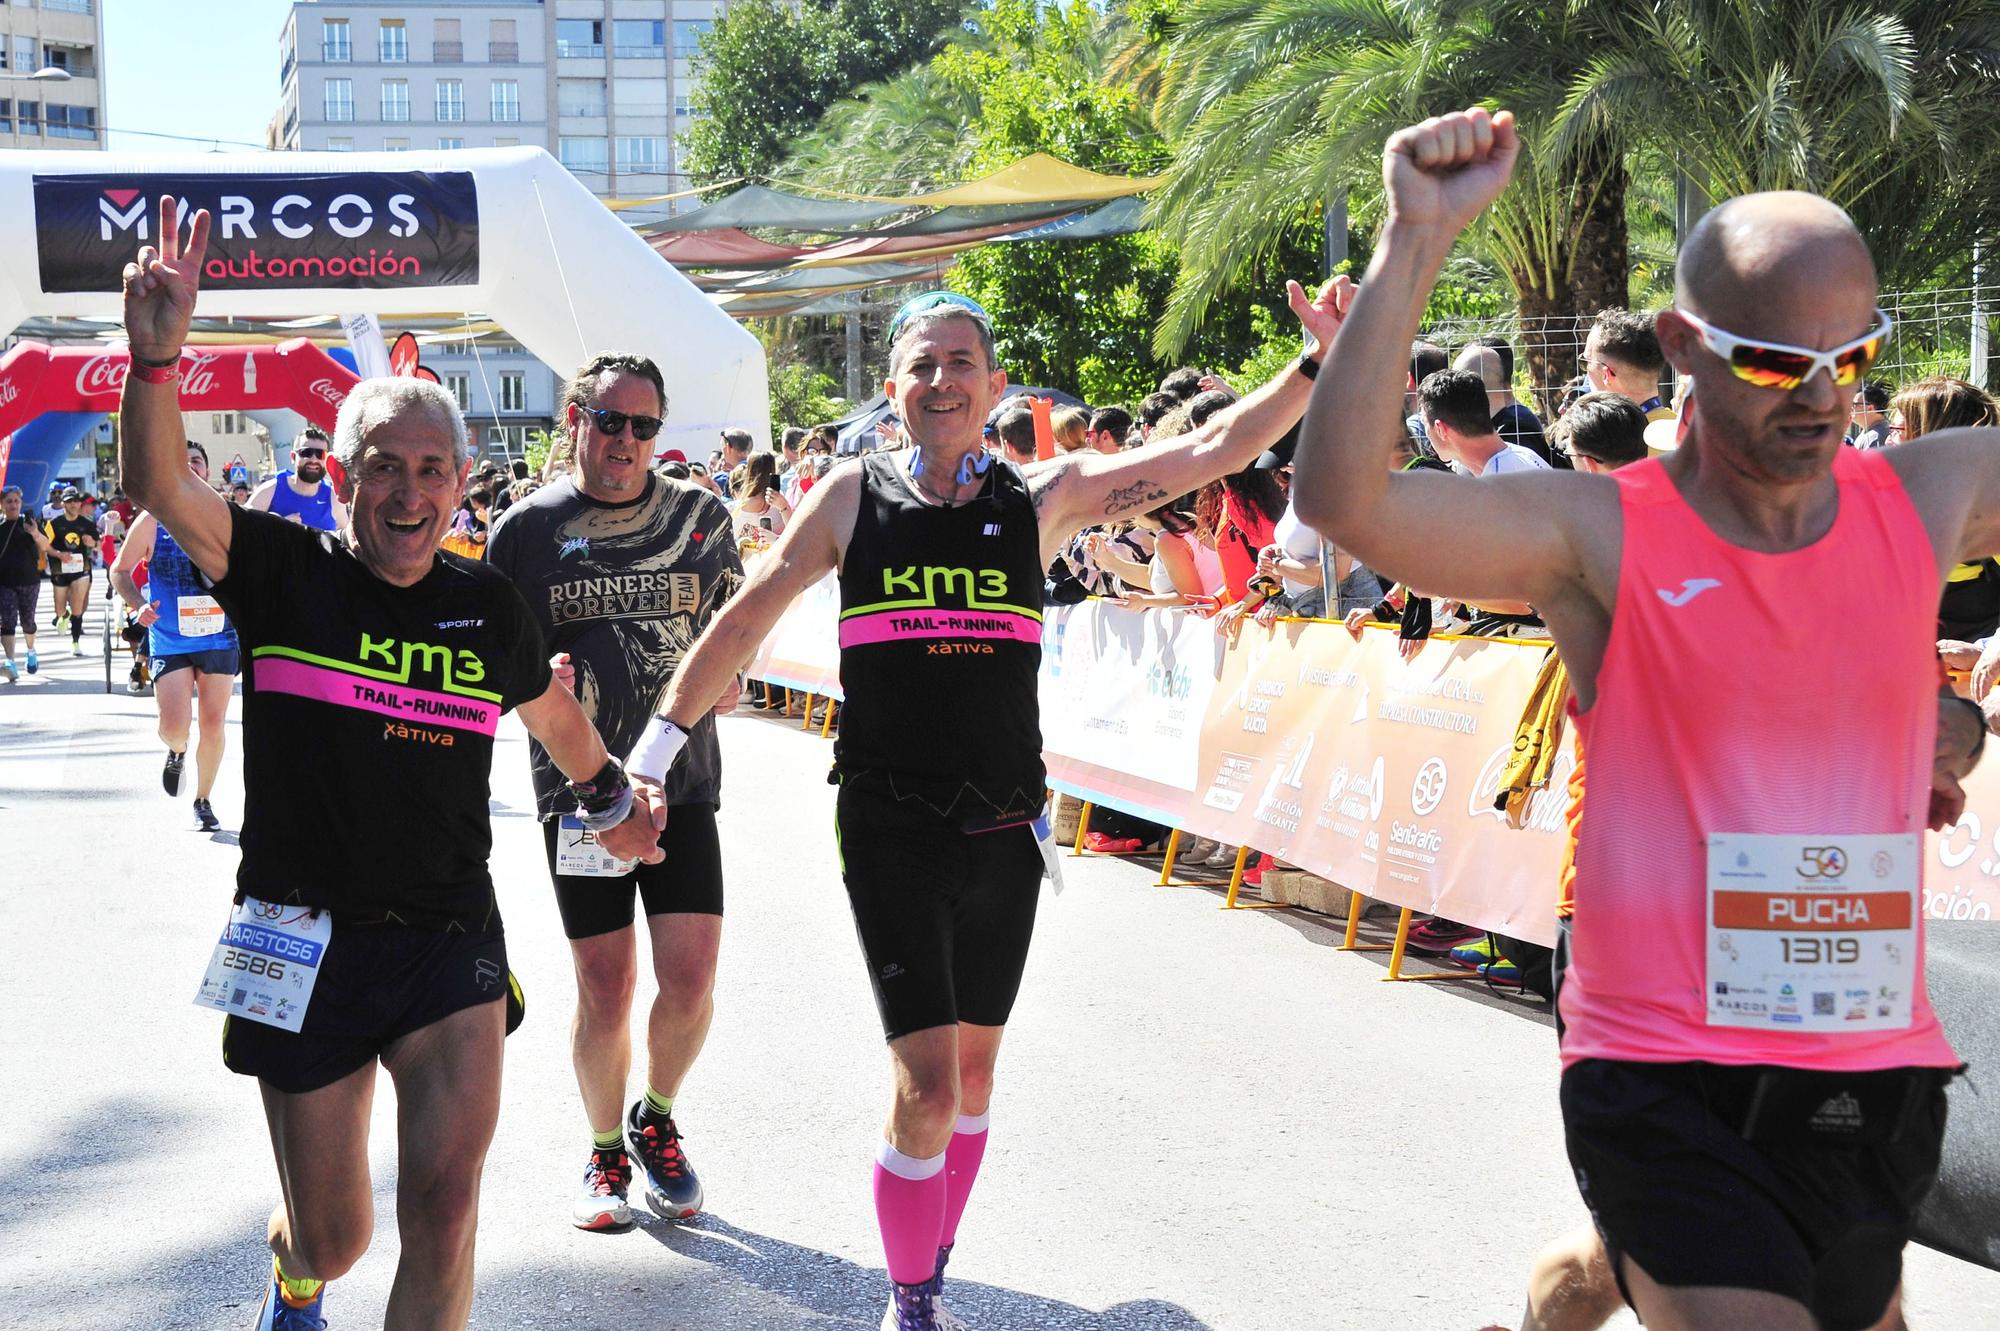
[{"x": 761, "y": 508}]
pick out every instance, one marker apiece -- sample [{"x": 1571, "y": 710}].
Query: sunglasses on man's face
[
  {"x": 1782, "y": 367},
  {"x": 310, "y": 452},
  {"x": 611, "y": 422}
]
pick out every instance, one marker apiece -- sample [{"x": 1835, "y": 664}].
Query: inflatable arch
[{"x": 506, "y": 233}]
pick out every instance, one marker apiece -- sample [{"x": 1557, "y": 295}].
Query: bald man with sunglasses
[{"x": 1753, "y": 1084}]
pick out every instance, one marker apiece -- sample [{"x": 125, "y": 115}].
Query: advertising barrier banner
[
  {"x": 1334, "y": 755},
  {"x": 361, "y": 230}
]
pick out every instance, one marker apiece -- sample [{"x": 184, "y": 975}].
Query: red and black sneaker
[
  {"x": 672, "y": 1190},
  {"x": 1435, "y": 936},
  {"x": 606, "y": 1179}
]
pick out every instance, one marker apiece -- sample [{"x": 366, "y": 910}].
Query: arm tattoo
[
  {"x": 1139, "y": 494},
  {"x": 1045, "y": 485}
]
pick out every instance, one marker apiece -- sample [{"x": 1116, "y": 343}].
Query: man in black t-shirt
[
  {"x": 941, "y": 550},
  {"x": 623, "y": 569},
  {"x": 22, "y": 546},
  {"x": 378, "y": 673},
  {"x": 72, "y": 552}
]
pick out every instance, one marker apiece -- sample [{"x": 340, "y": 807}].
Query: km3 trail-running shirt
[
  {"x": 368, "y": 720},
  {"x": 941, "y": 637},
  {"x": 625, "y": 589}
]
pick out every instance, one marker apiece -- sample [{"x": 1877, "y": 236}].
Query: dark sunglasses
[
  {"x": 611, "y": 422},
  {"x": 310, "y": 452}
]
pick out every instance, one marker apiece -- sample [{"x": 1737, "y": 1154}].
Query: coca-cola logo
[
  {"x": 327, "y": 390},
  {"x": 8, "y": 392},
  {"x": 106, "y": 374}
]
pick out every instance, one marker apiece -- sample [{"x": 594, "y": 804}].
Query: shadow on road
[{"x": 842, "y": 1294}]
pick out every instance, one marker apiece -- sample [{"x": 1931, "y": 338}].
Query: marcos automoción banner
[{"x": 361, "y": 230}]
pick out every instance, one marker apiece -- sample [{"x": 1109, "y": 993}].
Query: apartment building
[
  {"x": 603, "y": 85},
  {"x": 51, "y": 74}
]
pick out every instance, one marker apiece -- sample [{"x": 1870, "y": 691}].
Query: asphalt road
[{"x": 1204, "y": 1122}]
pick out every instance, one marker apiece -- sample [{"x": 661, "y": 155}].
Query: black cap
[{"x": 71, "y": 493}]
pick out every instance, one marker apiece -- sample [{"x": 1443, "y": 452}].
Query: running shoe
[
  {"x": 76, "y": 647},
  {"x": 173, "y": 773},
  {"x": 672, "y": 1190},
  {"x": 1503, "y": 972},
  {"x": 34, "y": 662},
  {"x": 606, "y": 1179},
  {"x": 1475, "y": 954},
  {"x": 912, "y": 1308},
  {"x": 1195, "y": 850},
  {"x": 1437, "y": 936},
  {"x": 1254, "y": 875},
  {"x": 61, "y": 622},
  {"x": 1105, "y": 844},
  {"x": 13, "y": 675},
  {"x": 205, "y": 815},
  {"x": 1222, "y": 857},
  {"x": 277, "y": 1315}
]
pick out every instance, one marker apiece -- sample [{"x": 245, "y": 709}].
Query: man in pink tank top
[{"x": 1753, "y": 1085}]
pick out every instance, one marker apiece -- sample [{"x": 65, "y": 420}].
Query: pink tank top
[{"x": 1788, "y": 694}]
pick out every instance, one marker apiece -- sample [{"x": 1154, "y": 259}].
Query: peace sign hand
[{"x": 160, "y": 286}]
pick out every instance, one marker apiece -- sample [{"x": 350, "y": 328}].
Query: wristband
[
  {"x": 149, "y": 363},
  {"x": 147, "y": 372},
  {"x": 654, "y": 755},
  {"x": 1308, "y": 367},
  {"x": 603, "y": 801}
]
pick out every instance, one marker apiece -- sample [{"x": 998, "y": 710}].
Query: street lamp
[{"x": 49, "y": 75}]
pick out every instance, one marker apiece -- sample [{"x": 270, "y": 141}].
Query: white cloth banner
[{"x": 1128, "y": 691}]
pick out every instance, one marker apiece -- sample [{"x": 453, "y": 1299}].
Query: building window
[
  {"x": 395, "y": 145},
  {"x": 342, "y": 144},
  {"x": 506, "y": 101},
  {"x": 646, "y": 155},
  {"x": 580, "y": 97},
  {"x": 68, "y": 6},
  {"x": 513, "y": 391},
  {"x": 579, "y": 37},
  {"x": 451, "y": 100},
  {"x": 339, "y": 99},
  {"x": 6, "y": 115},
  {"x": 582, "y": 154},
  {"x": 461, "y": 388},
  {"x": 501, "y": 48},
  {"x": 451, "y": 143},
  {"x": 24, "y": 54},
  {"x": 334, "y": 43},
  {"x": 446, "y": 46},
  {"x": 395, "y": 99},
  {"x": 29, "y": 116},
  {"x": 72, "y": 122},
  {"x": 688, "y": 33},
  {"x": 639, "y": 38},
  {"x": 683, "y": 108},
  {"x": 395, "y": 44}
]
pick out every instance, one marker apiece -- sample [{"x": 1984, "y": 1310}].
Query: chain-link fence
[{"x": 1936, "y": 332}]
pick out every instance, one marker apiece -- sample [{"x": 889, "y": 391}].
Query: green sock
[
  {"x": 661, "y": 1105},
  {"x": 607, "y": 1141},
  {"x": 297, "y": 1292}
]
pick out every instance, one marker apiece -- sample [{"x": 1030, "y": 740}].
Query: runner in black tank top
[{"x": 940, "y": 551}]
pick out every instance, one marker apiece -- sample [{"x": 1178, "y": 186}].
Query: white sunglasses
[{"x": 1784, "y": 367}]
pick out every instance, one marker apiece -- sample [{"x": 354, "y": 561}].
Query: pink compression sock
[
  {"x": 961, "y": 1167},
  {"x": 909, "y": 1206}
]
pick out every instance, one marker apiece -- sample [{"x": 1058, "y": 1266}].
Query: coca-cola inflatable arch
[
  {"x": 295, "y": 375},
  {"x": 505, "y": 233}
]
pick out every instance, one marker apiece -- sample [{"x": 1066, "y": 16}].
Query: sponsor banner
[
  {"x": 1128, "y": 692},
  {"x": 1962, "y": 863},
  {"x": 354, "y": 230}
]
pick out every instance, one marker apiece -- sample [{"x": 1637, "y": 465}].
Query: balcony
[
  {"x": 586, "y": 50},
  {"x": 70, "y": 7},
  {"x": 285, "y": 74},
  {"x": 448, "y": 53},
  {"x": 393, "y": 53},
  {"x": 503, "y": 53},
  {"x": 640, "y": 52},
  {"x": 336, "y": 53}
]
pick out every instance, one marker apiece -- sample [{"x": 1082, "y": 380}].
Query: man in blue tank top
[
  {"x": 193, "y": 646},
  {"x": 940, "y": 551},
  {"x": 303, "y": 494}
]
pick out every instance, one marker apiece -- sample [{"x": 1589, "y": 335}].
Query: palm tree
[
  {"x": 1883, "y": 106},
  {"x": 908, "y": 131},
  {"x": 1274, "y": 104}
]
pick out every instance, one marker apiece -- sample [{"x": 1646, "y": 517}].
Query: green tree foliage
[
  {"x": 770, "y": 67},
  {"x": 801, "y": 395},
  {"x": 1033, "y": 78}
]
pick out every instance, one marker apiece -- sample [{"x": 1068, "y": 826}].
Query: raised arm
[
  {"x": 1083, "y": 489},
  {"x": 160, "y": 290},
  {"x": 808, "y": 550},
  {"x": 1505, "y": 536}
]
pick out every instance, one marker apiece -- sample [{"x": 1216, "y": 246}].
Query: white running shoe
[{"x": 602, "y": 1203}]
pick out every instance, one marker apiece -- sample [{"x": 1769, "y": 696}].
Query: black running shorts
[
  {"x": 944, "y": 916},
  {"x": 226, "y": 661},
  {"x": 377, "y": 984},
  {"x": 687, "y": 882},
  {"x": 1661, "y": 1156}
]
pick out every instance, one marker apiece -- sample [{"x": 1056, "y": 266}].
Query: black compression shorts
[
  {"x": 1813, "y": 1214},
  {"x": 687, "y": 882},
  {"x": 377, "y": 984},
  {"x": 222, "y": 661},
  {"x": 944, "y": 916}
]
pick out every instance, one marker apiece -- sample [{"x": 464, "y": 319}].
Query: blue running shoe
[
  {"x": 34, "y": 662},
  {"x": 1476, "y": 953},
  {"x": 1502, "y": 971},
  {"x": 278, "y": 1315}
]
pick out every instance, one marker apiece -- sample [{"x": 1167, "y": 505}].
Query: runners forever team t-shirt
[
  {"x": 625, "y": 589},
  {"x": 368, "y": 720}
]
